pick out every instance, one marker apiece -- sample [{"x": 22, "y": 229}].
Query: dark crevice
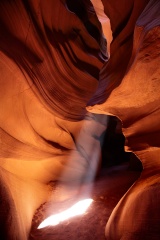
[
  {"x": 78, "y": 7},
  {"x": 113, "y": 152}
]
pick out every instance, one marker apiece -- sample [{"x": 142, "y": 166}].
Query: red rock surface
[
  {"x": 136, "y": 102},
  {"x": 57, "y": 87}
]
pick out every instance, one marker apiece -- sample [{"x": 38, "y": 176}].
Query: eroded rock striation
[
  {"x": 136, "y": 102},
  {"x": 57, "y": 86}
]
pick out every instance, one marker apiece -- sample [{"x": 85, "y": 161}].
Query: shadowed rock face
[
  {"x": 53, "y": 63},
  {"x": 39, "y": 40},
  {"x": 135, "y": 100}
]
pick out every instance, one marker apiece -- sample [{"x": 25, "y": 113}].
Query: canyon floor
[{"x": 106, "y": 191}]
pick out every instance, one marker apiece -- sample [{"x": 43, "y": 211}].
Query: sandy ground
[{"x": 106, "y": 191}]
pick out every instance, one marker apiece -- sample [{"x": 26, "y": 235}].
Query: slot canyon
[{"x": 80, "y": 119}]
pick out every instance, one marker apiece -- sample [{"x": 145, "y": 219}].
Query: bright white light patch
[{"x": 77, "y": 209}]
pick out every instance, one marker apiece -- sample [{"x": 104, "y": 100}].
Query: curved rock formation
[
  {"x": 49, "y": 63},
  {"x": 53, "y": 52},
  {"x": 136, "y": 102},
  {"x": 53, "y": 63}
]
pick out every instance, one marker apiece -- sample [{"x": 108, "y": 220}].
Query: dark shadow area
[{"x": 113, "y": 152}]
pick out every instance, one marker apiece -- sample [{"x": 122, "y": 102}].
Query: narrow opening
[{"x": 113, "y": 152}]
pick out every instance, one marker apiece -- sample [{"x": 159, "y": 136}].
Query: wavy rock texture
[
  {"x": 50, "y": 62},
  {"x": 53, "y": 63},
  {"x": 136, "y": 102}
]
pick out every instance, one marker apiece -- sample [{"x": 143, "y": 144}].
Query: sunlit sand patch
[{"x": 77, "y": 209}]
